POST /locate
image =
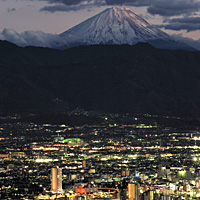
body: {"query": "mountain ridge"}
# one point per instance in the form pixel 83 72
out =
pixel 133 79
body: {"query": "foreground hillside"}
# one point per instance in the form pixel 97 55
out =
pixel 124 78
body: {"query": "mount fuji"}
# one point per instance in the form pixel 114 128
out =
pixel 119 26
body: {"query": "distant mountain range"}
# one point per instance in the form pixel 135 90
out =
pixel 113 26
pixel 119 26
pixel 124 78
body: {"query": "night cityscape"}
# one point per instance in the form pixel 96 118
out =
pixel 99 99
pixel 116 157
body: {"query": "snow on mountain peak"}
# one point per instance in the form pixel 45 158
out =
pixel 113 26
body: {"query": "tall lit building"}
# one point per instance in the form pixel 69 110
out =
pixel 125 172
pixel 56 180
pixel 133 191
pixel 84 164
pixel 150 195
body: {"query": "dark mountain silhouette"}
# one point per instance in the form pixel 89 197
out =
pixel 134 79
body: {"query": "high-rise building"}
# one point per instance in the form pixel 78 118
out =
pixel 150 195
pixel 125 172
pixel 84 164
pixel 133 191
pixel 56 180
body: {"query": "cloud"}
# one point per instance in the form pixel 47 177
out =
pixel 66 2
pixel 70 5
pixel 11 10
pixel 160 7
pixel 185 23
pixel 194 20
pixel 191 42
pixel 32 38
pixel 173 7
pixel 182 26
pixel 102 2
pixel 61 8
pixel 65 8
pixel 128 2
pixel 74 5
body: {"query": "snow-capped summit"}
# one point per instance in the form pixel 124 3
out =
pixel 113 26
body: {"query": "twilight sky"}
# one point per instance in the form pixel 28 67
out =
pixel 30 18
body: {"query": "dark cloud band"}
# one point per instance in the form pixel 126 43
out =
pixel 128 2
pixel 159 7
pixel 185 23
pixel 182 26
pixel 70 5
pixel 173 7
pixel 73 5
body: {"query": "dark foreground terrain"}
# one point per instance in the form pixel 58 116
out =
pixel 134 79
